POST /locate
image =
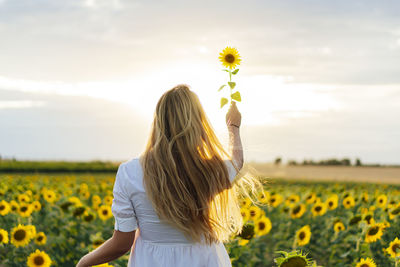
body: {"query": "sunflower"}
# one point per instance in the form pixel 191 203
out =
pixel 83 187
pixel 310 199
pixel 3 236
pixel 243 242
pixel 318 209
pixel 230 57
pixel 255 212
pixel 88 216
pixel 245 202
pixel 49 196
pixel 368 262
pixel 303 235
pixel 247 231
pixel 40 238
pixel 14 206
pixel 332 202
pixel 103 265
pixel 338 226
pixel 25 209
pixel 381 201
pixel 263 196
pixel 245 214
pixel 394 248
pixel 365 197
pixel 4 208
pixel 85 194
pixel 297 211
pixel 23 198
pixel 292 200
pixel 348 202
pixel 20 235
pixel 369 219
pixel 293 258
pixel 104 212
pixel 262 226
pixel 108 200
pixel 38 259
pixel 36 205
pixel 374 233
pixel 76 201
pixel 275 200
pixel 96 200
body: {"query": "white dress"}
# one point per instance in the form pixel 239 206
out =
pixel 158 243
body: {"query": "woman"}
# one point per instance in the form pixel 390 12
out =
pixel 180 193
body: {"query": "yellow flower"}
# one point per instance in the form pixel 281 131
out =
pixel 262 226
pixel 40 238
pixel 38 259
pixel 332 202
pixel 263 196
pixel 365 197
pixel 394 248
pixel 3 236
pixel 77 202
pixel 369 219
pixel 275 200
pixel 25 209
pixel 104 212
pixel 230 57
pixel 243 242
pixel 85 194
pixel 255 212
pixel 245 214
pixel 245 202
pixel 14 206
pixel 49 196
pixel 297 211
pixel 311 198
pixel 108 200
pixel 292 200
pixel 36 205
pixel 381 201
pixel 32 230
pixel 303 235
pixel 4 208
pixel 348 202
pixel 318 209
pixel 339 226
pixel 374 233
pixel 103 265
pixel 97 243
pixel 368 262
pixel 96 200
pixel 20 236
pixel 23 198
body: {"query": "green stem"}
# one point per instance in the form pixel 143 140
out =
pixel 230 88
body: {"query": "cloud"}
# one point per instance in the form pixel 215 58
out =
pixel 20 104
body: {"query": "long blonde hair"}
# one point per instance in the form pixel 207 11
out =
pixel 184 173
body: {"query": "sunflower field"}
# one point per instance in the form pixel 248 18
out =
pixel 53 220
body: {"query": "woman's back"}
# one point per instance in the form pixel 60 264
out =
pixel 159 243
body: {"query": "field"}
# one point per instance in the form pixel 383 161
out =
pixel 337 223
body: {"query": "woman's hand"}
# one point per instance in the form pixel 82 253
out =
pixel 233 116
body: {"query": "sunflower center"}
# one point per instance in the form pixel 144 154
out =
pixel 13 208
pixel 296 210
pixel 1 238
pixel 273 200
pixel 302 235
pixel 295 262
pixel 38 260
pixel 373 231
pixel 261 225
pixel 380 200
pixel 2 207
pixel 330 203
pixel 318 208
pixel 348 202
pixel 252 213
pixel 20 235
pixel 105 212
pixel 229 58
pixel 395 248
pixel 23 209
pixel 40 238
pixel 365 265
pixel 98 242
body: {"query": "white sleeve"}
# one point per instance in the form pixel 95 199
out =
pixel 122 208
pixel 231 170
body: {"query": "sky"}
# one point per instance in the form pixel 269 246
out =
pixel 79 80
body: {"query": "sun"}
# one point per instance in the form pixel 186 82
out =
pixel 230 57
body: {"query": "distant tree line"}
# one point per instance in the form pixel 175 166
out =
pixel 329 162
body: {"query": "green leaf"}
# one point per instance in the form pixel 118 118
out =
pixel 235 71
pixel 226 70
pixel 222 86
pixel 232 84
pixel 224 101
pixel 236 96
